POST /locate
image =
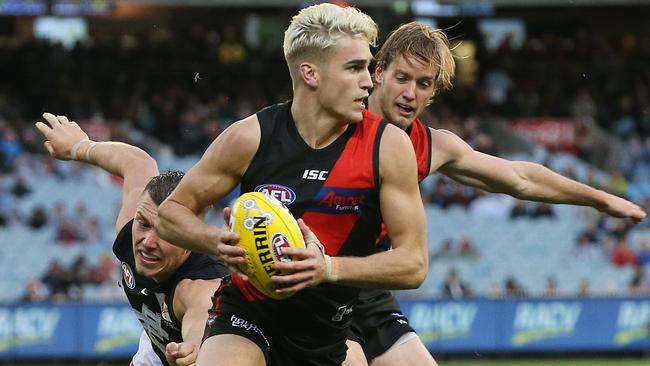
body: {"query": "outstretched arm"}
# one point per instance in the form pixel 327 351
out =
pixel 67 141
pixel 454 158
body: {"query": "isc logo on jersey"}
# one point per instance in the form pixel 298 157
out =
pixel 277 191
pixel 265 227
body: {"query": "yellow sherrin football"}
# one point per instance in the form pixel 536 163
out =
pixel 265 226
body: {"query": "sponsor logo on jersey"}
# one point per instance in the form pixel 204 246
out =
pixel 340 200
pixel 538 321
pixel 237 322
pixel 632 322
pixel 129 279
pixel 341 312
pixel 443 321
pixel 27 326
pixel 117 327
pixel 313 174
pixel 280 242
pixel 281 193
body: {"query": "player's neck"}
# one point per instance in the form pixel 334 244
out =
pixel 374 104
pixel 317 127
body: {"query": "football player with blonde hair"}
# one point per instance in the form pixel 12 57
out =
pixel 364 172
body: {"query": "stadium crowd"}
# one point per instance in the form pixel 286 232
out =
pixel 181 89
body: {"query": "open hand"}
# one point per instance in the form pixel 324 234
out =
pixel 61 135
pixel 621 208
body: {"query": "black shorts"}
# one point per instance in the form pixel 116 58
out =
pixel 278 328
pixel 377 323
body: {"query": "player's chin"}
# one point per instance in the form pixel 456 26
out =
pixel 354 116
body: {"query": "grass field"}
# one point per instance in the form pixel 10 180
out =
pixel 552 362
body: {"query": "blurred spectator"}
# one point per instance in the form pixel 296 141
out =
pixel 20 187
pixel 467 248
pixel 543 210
pixel 589 234
pixel 446 250
pixel 520 209
pixel 584 288
pixel 623 255
pixel 58 281
pixel 644 252
pixel 10 149
pixel 81 271
pixel 105 270
pixel 513 289
pixel 550 287
pixel 38 218
pixel 454 287
pixel 638 283
pixel 35 291
pixel 67 233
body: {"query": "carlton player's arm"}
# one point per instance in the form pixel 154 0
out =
pixel 406 265
pixel 132 164
pixel 192 301
pixel 453 157
pixel 215 175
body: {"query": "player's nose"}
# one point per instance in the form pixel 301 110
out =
pixel 150 240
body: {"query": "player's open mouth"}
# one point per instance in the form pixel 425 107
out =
pixel 404 109
pixel 361 102
pixel 147 259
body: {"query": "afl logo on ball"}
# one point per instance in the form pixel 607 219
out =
pixel 279 192
pixel 129 280
pixel 280 242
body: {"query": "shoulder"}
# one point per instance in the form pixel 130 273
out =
pixel 123 237
pixel 447 143
pixel 394 136
pixel 245 131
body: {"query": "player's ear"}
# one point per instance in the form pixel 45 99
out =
pixel 309 74
pixel 379 74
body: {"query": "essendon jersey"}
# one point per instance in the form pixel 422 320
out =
pixel 152 302
pixel 420 136
pixel 334 189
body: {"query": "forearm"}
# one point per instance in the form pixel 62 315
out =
pixel 193 324
pixel 182 227
pixel 394 269
pixel 542 184
pixel 116 158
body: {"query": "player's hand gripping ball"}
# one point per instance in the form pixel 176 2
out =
pixel 265 226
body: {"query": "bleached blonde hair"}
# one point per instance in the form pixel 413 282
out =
pixel 314 30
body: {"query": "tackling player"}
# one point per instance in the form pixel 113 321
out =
pixel 168 287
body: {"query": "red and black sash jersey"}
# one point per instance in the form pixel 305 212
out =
pixel 420 136
pixel 152 302
pixel 334 189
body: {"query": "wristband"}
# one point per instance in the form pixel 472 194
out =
pixel 75 147
pixel 330 276
pixel 92 145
